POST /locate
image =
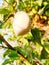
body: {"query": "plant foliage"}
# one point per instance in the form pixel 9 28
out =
pixel 33 47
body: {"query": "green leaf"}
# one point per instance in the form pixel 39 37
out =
pixel 4 11
pixel 1 23
pixel 40 2
pixel 20 6
pixel 47 0
pixel 47 62
pixel 46 10
pixel 11 54
pixel 44 54
pixel 6 53
pixel 27 2
pixel 0 41
pixel 41 11
pixel 6 62
pixel 5 16
pixel 22 51
pixel 46 7
pixel 7 24
pixel 46 45
pixel 11 2
pixel 36 35
pixel 29 36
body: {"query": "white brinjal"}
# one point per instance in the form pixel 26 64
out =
pixel 21 23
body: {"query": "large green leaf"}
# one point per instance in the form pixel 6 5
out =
pixel 4 11
pixel 36 35
pixel 11 54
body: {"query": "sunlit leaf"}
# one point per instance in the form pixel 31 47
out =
pixel 46 45
pixel 41 11
pixel 47 12
pixel 47 62
pixel 30 46
pixel 40 2
pixel 11 2
pixel 6 62
pixel 4 11
pixel 7 24
pixel 29 36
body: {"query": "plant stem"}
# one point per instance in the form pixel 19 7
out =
pixel 10 47
pixel 6 43
pixel 11 15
